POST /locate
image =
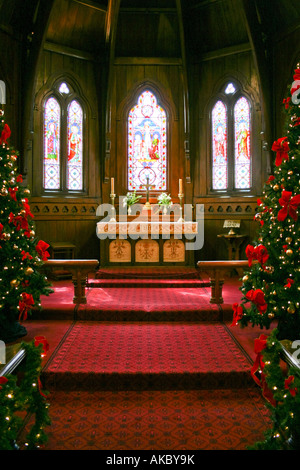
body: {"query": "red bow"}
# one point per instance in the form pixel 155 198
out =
pixel 259 345
pixel 286 102
pixel 281 147
pixel 12 192
pixel 237 314
pixel 3 380
pixel 297 74
pixel 41 248
pixel 259 253
pixel 42 340
pixel 287 383
pixel 258 298
pixel 289 205
pixel 289 282
pixel 5 134
pixel 25 304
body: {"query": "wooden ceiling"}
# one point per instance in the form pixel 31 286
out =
pixel 150 28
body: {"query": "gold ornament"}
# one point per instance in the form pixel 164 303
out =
pixel 291 309
pixel 26 191
pixel 271 315
pixel 289 252
pixel 4 192
pixel 288 240
pixel 276 187
pixel 14 283
pixel 28 271
pixel 245 278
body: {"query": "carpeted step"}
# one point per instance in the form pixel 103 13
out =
pixel 148 304
pixel 147 356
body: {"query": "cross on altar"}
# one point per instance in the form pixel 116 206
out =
pixel 147 185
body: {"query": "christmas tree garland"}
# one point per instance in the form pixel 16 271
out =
pixel 22 393
pixel 271 288
pixel 21 254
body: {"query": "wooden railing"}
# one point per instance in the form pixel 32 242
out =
pixel 216 271
pixel 79 268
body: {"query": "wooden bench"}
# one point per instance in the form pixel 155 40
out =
pixel 216 271
pixel 79 269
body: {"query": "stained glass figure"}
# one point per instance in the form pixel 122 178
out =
pixel 52 144
pixel 147 144
pixel 74 164
pixel 242 160
pixel 219 145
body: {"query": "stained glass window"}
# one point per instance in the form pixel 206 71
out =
pixel 52 144
pixel 147 144
pixel 219 146
pixel 63 141
pixel 74 164
pixel 242 159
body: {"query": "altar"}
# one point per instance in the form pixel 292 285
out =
pixel 143 241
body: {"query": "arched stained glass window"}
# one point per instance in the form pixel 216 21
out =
pixel 231 141
pixel 242 160
pixel 52 144
pixel 147 144
pixel 63 141
pixel 219 145
pixel 74 165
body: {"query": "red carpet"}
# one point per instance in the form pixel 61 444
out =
pixel 136 356
pixel 148 368
pixel 153 420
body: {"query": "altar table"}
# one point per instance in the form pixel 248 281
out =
pixel 139 242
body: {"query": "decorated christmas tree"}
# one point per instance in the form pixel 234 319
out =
pixel 271 288
pixel 21 254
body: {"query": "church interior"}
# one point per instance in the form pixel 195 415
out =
pixel 181 99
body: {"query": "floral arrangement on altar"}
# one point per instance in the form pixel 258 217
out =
pixel 130 199
pixel 164 199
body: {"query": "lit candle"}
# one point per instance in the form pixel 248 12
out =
pixel 180 186
pixel 112 189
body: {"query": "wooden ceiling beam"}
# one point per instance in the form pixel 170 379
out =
pixel 91 4
pixel 262 58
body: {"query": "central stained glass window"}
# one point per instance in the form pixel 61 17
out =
pixel 147 144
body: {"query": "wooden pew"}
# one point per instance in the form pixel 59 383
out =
pixel 79 268
pixel 216 271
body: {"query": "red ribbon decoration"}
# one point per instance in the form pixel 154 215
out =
pixel 287 382
pixel 12 192
pixel 259 345
pixel 41 249
pixel 25 304
pixel 281 147
pixel 258 298
pixel 289 282
pixel 3 380
pixel 5 134
pixel 42 340
pixel 259 253
pixel 237 313
pixel 289 205
pixel 297 74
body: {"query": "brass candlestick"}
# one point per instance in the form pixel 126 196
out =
pixel 181 195
pixel 113 211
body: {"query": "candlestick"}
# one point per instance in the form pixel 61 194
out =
pixel 112 184
pixel 180 195
pixel 180 186
pixel 112 197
